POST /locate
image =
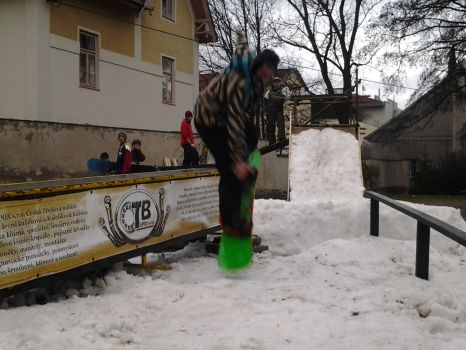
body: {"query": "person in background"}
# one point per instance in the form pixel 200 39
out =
pixel 274 100
pixel 124 159
pixel 104 156
pixel 136 153
pixel 106 166
pixel 191 156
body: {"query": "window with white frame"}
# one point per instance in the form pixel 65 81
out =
pixel 168 9
pixel 88 59
pixel 168 80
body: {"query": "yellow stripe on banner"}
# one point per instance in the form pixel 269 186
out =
pixel 12 193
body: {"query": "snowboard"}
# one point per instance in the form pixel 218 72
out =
pixel 235 253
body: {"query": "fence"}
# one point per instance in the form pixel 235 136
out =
pixel 424 223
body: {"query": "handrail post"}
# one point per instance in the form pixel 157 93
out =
pixel 422 251
pixel 374 217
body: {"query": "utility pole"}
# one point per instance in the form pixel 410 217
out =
pixel 357 82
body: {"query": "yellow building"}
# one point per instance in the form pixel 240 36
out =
pixel 130 64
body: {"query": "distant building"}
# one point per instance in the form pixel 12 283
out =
pixel 371 113
pixel 431 128
pixel 293 81
pixel 80 64
pixel 294 86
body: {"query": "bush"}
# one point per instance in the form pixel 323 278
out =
pixel 447 177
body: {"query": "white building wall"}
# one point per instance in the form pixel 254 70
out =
pixel 39 78
pixel 379 116
pixel 24 25
pixel 129 96
pixel 12 59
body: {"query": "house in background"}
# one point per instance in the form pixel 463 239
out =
pixel 74 73
pixel 294 85
pixel 293 81
pixel 430 129
pixel 371 113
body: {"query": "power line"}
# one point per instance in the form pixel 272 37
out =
pixel 367 80
pixel 60 2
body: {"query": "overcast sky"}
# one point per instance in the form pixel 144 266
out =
pixel 310 69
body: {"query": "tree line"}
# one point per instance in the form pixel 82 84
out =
pixel 339 35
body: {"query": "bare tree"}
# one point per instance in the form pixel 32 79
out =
pixel 422 33
pixel 250 17
pixel 328 29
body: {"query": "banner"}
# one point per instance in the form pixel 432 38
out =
pixel 50 235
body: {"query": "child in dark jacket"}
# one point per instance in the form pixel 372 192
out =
pixel 136 153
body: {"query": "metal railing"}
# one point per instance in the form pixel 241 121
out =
pixel 424 223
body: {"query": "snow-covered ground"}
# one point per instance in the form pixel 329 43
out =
pixel 324 284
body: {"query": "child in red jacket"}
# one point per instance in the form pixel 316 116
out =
pixel 191 156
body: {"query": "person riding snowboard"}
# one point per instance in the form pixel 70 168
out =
pixel 221 116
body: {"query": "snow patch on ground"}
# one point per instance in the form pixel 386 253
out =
pixel 355 293
pixel 292 227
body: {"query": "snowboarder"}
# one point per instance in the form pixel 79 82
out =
pixel 222 120
pixel 123 163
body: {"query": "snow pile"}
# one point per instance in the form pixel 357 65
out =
pixel 324 284
pixel 293 227
pixel 325 164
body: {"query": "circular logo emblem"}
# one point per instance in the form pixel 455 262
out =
pixel 136 215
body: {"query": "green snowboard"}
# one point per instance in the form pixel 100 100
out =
pixel 236 253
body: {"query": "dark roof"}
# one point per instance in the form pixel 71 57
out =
pixel 203 22
pixel 366 101
pixel 420 109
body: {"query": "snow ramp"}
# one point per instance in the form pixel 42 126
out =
pixel 325 164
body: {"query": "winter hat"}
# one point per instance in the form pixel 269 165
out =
pixel 136 142
pixel 266 57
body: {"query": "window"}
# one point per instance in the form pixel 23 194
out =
pixel 88 59
pixel 168 9
pixel 168 80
